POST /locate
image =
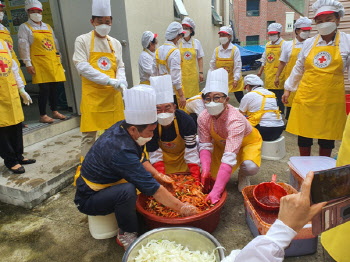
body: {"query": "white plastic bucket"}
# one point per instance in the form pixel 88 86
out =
pixel 103 227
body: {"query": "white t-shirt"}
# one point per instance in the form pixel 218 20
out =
pixel 252 102
pixel 197 46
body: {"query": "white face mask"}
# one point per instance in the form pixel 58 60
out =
pixel 103 29
pixel 214 108
pixel 326 28
pixel 187 33
pixel 273 38
pixel 1 16
pixel 304 35
pixel 143 140
pixel 165 119
pixel 223 40
pixel 36 17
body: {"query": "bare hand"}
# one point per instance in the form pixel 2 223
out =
pixel 295 210
pixel 31 70
pixel 259 74
pixel 182 103
pixel 235 83
pixel 201 78
pixel 188 210
pixel 285 97
pixel 277 82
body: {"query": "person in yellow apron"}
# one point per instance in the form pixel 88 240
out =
pixel 336 240
pixel 270 63
pixel 168 58
pixel 173 147
pixel 290 52
pixel 260 107
pixel 98 59
pixel 226 139
pixel 147 59
pixel 11 137
pixel 191 53
pixel 115 167
pixel 228 57
pixel 319 105
pixel 38 48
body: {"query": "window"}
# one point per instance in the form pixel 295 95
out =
pixel 271 0
pixel 270 22
pixel 179 10
pixel 252 40
pixel 215 17
pixel 253 7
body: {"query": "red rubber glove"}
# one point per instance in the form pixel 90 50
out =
pixel 160 167
pixel 205 157
pixel 195 172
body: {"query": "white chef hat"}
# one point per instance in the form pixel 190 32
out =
pixel 253 80
pixel 303 23
pixel 226 29
pixel 163 87
pixel 217 81
pixel 101 8
pixel 274 28
pixel 189 22
pixel 321 7
pixel 140 105
pixel 1 4
pixel 173 30
pixel 33 5
pixel 147 37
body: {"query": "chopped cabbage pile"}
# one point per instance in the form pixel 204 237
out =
pixel 166 251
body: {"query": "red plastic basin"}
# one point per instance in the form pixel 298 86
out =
pixel 207 220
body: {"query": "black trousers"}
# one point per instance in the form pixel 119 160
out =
pixel 47 91
pixel 120 199
pixel 270 133
pixel 279 93
pixel 239 95
pixel 308 142
pixel 11 144
pixel 288 109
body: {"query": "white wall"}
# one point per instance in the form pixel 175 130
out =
pixel 156 15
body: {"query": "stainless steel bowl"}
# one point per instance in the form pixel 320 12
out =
pixel 191 237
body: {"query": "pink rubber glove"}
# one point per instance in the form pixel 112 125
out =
pixel 220 183
pixel 205 157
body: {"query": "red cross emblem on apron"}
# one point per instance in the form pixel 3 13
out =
pixel 322 59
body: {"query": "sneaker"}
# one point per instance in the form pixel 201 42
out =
pixel 126 239
pixel 243 181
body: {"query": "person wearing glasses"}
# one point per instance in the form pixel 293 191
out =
pixel 226 139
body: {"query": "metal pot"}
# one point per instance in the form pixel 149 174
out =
pixel 191 237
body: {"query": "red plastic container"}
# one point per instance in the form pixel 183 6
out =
pixel 347 100
pixel 207 220
pixel 267 195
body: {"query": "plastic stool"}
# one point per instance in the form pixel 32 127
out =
pixel 273 150
pixel 103 227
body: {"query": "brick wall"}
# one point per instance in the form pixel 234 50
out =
pixel 257 25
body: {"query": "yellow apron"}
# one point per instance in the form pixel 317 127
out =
pixel 165 63
pixel 45 58
pixel 10 104
pixel 250 150
pixel 190 82
pixel 101 106
pixel 255 117
pixel 173 152
pixel 273 53
pixel 228 64
pixel 336 240
pixel 319 106
pixel 5 35
pixel 147 82
pixel 289 67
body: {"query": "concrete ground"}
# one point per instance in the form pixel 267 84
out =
pixel 56 231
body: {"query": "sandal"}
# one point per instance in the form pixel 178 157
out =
pixel 19 170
